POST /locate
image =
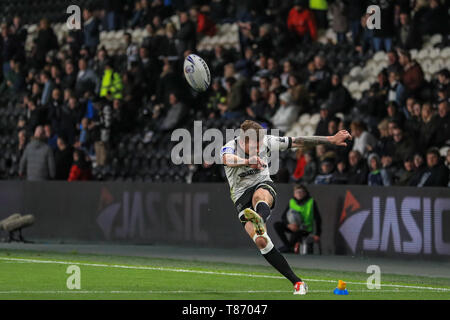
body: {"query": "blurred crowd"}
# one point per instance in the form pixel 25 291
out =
pixel 77 97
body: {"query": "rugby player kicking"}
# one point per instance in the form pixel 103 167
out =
pixel 253 191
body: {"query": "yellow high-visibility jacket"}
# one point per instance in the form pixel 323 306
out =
pixel 111 82
pixel 318 4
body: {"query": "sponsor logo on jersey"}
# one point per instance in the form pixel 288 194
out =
pixel 227 150
pixel 249 173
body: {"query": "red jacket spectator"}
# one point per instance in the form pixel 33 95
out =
pixel 205 25
pixel 413 76
pixel 80 170
pixel 78 174
pixel 302 22
pixel 300 168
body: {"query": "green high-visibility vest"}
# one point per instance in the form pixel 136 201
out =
pixel 111 82
pixel 318 4
pixel 306 211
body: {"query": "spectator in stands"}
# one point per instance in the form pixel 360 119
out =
pixel 322 125
pixel 358 170
pixel 54 108
pixel 221 59
pixel 419 168
pixel 443 124
pixel 436 174
pixel 216 94
pixel 186 35
pixel 86 80
pixel 382 38
pixel 46 40
pixel 326 172
pixel 301 22
pixel 256 109
pixel 340 99
pixel 356 9
pixel 21 142
pixel 393 64
pixel 378 176
pixel 333 126
pixel 71 115
pixel 271 107
pixel 84 140
pixel 137 17
pixel 264 41
pixel 50 136
pixel 320 80
pixel 14 81
pixel 264 87
pixel 413 124
pixel 407 35
pixel 443 84
pixel 236 97
pixel 396 90
pixel 338 9
pixel 175 113
pixel 299 170
pixel 80 170
pixel 287 113
pixel 132 50
pixel 340 175
pixel 34 115
pixel 447 159
pixel 406 173
pixel 362 138
pixel 301 220
pixel 20 32
pixel 299 93
pixel 402 146
pixel 394 113
pixel 113 14
pixel 310 170
pixel 320 9
pixel 91 30
pixel 37 161
pixel 436 18
pixel 48 87
pixel 63 159
pixel 366 39
pixel 70 76
pixel 288 69
pixel 111 83
pixel 412 76
pixel 8 46
pixel 384 143
pixel 428 127
pixel 205 25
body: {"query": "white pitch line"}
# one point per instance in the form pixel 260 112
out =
pixel 205 272
pixel 180 291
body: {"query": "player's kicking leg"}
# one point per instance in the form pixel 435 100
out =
pixel 256 229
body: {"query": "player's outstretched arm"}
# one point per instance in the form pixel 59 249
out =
pixel 338 139
pixel 232 160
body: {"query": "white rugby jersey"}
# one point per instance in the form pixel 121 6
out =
pixel 243 177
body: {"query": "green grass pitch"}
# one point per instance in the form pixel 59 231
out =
pixel 39 275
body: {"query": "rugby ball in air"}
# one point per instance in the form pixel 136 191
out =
pixel 196 72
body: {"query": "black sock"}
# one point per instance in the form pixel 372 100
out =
pixel 263 210
pixel 275 258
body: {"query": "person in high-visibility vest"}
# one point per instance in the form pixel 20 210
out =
pixel 111 85
pixel 301 220
pixel 320 8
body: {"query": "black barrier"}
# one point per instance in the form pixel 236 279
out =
pixel 357 220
